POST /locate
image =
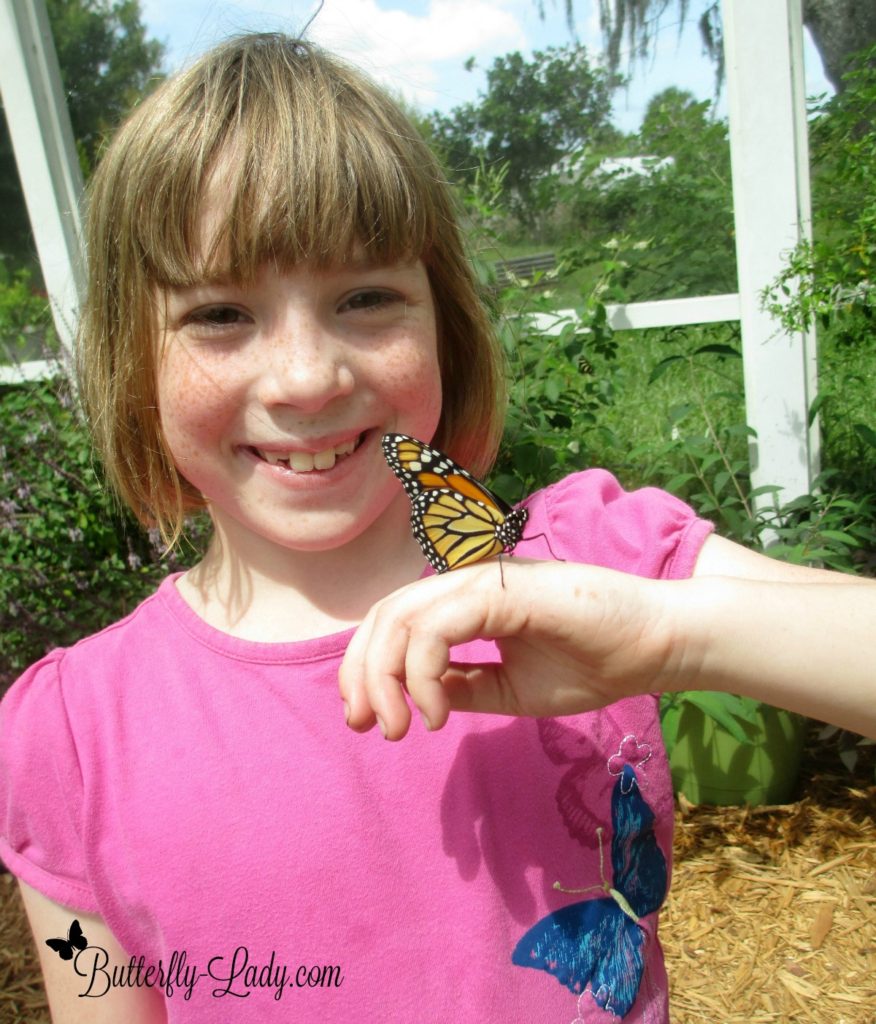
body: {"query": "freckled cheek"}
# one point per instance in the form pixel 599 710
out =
pixel 191 404
pixel 411 378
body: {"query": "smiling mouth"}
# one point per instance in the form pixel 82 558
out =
pixel 308 462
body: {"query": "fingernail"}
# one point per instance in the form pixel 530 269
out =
pixel 346 712
pixel 426 721
pixel 381 725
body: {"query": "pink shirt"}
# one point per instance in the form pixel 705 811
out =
pixel 203 795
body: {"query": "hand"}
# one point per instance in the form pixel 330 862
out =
pixel 575 637
pixel 572 638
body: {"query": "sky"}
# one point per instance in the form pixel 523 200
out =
pixel 419 48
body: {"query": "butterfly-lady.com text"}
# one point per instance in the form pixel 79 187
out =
pixel 234 976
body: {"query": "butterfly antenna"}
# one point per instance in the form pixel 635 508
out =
pixel 615 894
pixel 535 536
pixel 605 887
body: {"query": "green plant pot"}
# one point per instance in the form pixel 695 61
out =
pixel 709 766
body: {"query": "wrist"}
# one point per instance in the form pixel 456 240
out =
pixel 701 646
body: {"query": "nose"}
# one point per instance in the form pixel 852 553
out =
pixel 307 365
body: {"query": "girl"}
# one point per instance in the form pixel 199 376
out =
pixel 277 281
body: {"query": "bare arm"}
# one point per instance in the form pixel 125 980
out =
pixel 64 987
pixel 811 650
pixel 722 557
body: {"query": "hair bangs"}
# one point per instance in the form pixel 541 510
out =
pixel 283 169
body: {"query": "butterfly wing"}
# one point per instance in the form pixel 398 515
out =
pixel 591 943
pixel 76 937
pixel 638 863
pixel 597 942
pixel 62 947
pixel 455 518
pixel 453 531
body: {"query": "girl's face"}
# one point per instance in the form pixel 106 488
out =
pixel 274 395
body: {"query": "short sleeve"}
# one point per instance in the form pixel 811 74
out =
pixel 590 518
pixel 41 789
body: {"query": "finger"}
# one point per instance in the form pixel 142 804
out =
pixel 426 661
pixel 479 688
pixel 375 683
pixel 358 712
pixel 403 644
pixel 407 648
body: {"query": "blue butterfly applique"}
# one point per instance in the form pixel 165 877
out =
pixel 599 942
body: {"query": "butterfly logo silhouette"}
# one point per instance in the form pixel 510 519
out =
pixel 65 947
pixel 599 942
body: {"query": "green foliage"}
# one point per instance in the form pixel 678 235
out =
pixel 673 224
pixel 830 281
pixel 726 710
pixel 664 407
pixel 828 284
pixel 26 330
pixel 701 455
pixel 70 562
pixel 533 112
pixel 107 64
pixel 560 366
pixel 556 396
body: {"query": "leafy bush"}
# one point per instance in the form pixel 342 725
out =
pixel 25 324
pixel 832 527
pixel 560 383
pixel 664 407
pixel 828 284
pixel 672 220
pixel 70 561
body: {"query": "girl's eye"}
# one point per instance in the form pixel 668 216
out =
pixel 370 299
pixel 216 316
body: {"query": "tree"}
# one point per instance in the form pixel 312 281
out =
pixel 670 221
pixel 107 63
pixel 839 28
pixel 533 112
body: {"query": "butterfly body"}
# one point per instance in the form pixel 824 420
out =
pixel 455 518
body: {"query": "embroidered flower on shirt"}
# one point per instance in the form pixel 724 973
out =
pixel 631 753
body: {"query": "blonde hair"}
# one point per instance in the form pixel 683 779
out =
pixel 322 162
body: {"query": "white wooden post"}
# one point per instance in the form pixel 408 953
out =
pixel 39 124
pixel 763 47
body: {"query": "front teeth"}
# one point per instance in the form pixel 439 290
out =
pixel 306 462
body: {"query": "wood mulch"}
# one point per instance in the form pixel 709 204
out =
pixel 772 912
pixel 771 918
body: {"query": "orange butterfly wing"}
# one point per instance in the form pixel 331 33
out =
pixel 455 518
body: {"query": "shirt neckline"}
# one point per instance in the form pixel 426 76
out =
pixel 314 649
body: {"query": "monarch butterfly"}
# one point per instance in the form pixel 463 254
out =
pixel 455 518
